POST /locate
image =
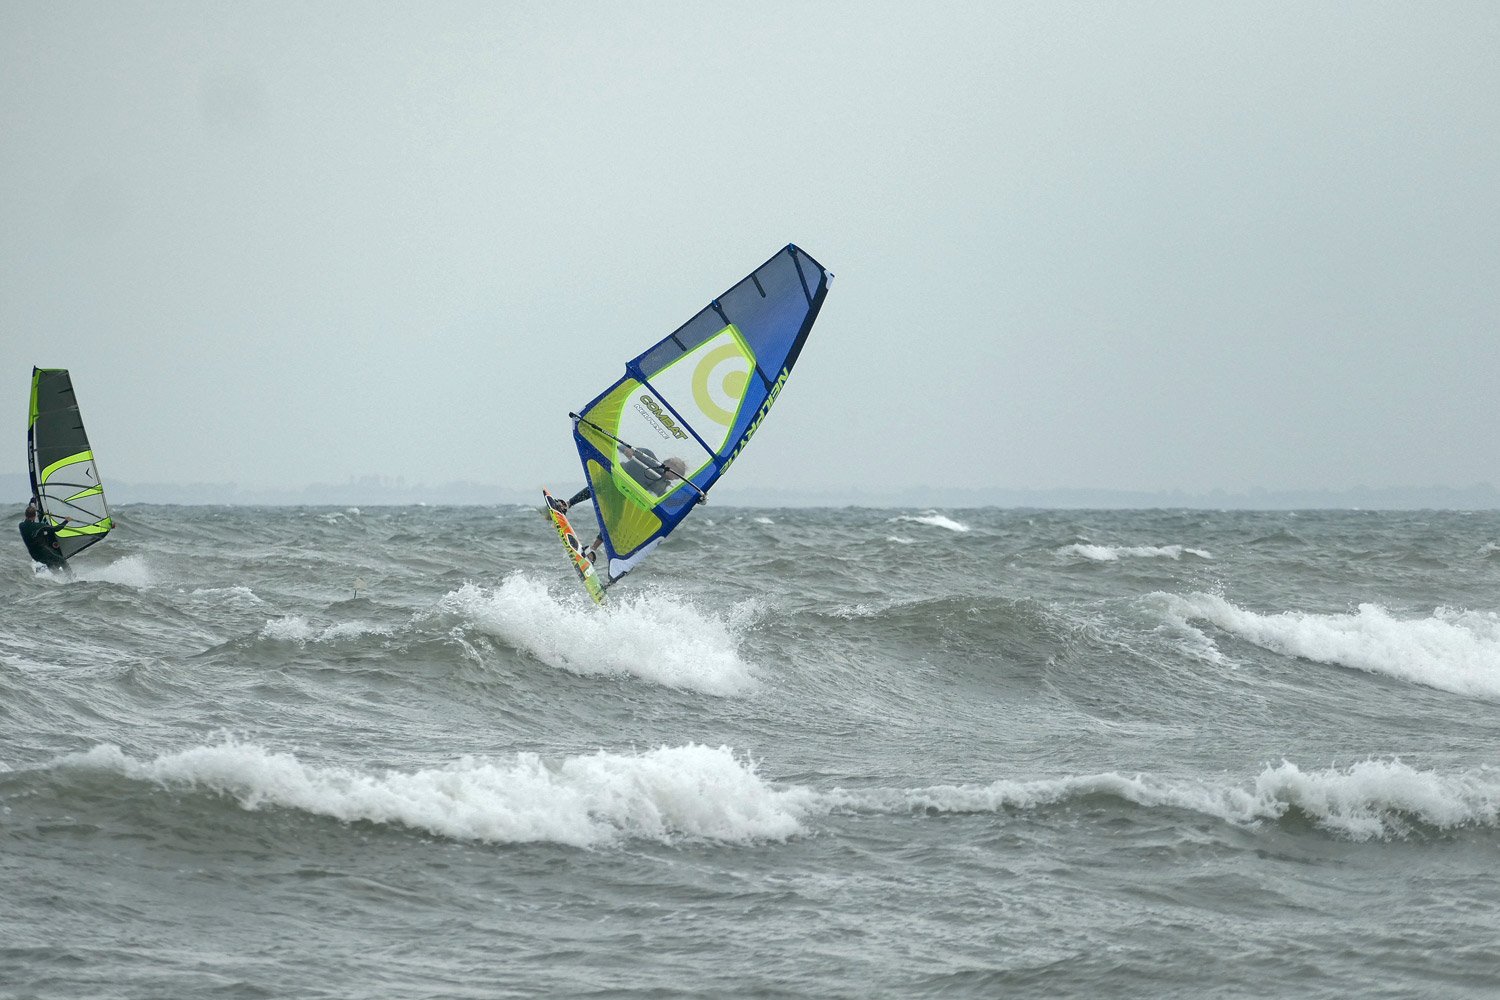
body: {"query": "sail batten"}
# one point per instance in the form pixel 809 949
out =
pixel 655 441
pixel 64 472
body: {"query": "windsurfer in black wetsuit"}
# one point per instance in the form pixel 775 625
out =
pixel 41 539
pixel 642 465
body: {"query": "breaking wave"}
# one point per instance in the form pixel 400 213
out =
pixel 1114 553
pixel 1372 799
pixel 1451 650
pixel 669 794
pixel 934 519
pixel 651 635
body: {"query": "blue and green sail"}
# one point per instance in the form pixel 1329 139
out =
pixel 64 475
pixel 657 440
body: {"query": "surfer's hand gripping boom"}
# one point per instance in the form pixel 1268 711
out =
pixel 632 452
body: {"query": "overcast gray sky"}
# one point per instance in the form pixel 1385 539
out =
pixel 1125 246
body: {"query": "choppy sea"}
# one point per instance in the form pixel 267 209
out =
pixel 396 752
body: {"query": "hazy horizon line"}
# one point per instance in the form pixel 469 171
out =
pixel 390 491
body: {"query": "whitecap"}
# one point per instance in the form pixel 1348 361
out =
pixel 295 628
pixel 934 519
pixel 229 595
pixel 648 634
pixel 1113 553
pixel 1367 800
pixel 127 571
pixel 669 794
pixel 1451 650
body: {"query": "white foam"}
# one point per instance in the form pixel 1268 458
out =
pixel 861 610
pixel 295 628
pixel 127 571
pixel 669 794
pixel 695 792
pixel 1113 553
pixel 934 519
pixel 26 664
pixel 651 635
pixel 763 520
pixel 1370 799
pixel 1457 651
pixel 229 595
pixel 899 540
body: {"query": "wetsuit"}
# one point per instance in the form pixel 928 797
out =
pixel 41 542
pixel 649 473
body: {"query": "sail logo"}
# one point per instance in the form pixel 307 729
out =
pixel 720 379
pixel 754 424
pixel 664 418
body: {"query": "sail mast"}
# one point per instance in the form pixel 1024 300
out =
pixel 64 474
pixel 656 441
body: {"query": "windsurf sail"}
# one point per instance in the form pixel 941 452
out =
pixel 656 441
pixel 64 476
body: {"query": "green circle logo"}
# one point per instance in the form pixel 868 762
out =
pixel 731 382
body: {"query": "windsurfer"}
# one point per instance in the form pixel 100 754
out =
pixel 642 465
pixel 41 538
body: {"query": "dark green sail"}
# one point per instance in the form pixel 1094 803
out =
pixel 64 476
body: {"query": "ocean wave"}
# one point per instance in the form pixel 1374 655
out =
pixel 943 616
pixel 1282 537
pixel 295 628
pixel 1452 650
pixel 934 519
pixel 669 794
pixel 700 793
pixel 646 634
pixel 127 571
pixel 239 596
pixel 1114 553
pixel 1371 799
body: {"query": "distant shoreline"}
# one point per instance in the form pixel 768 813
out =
pixel 377 492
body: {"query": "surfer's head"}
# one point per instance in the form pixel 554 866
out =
pixel 675 466
pixel 31 512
